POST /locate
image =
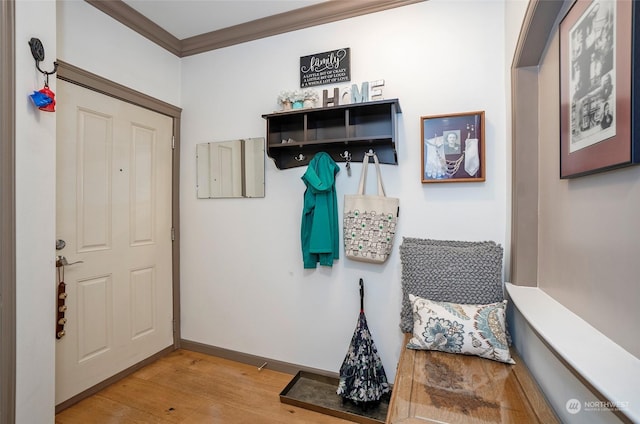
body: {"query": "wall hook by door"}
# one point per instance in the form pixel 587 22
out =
pixel 37 51
pixel 44 98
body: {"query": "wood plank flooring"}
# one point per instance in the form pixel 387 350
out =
pixel 188 387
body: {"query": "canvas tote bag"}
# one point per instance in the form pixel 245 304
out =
pixel 369 221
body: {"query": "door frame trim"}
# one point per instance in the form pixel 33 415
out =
pixel 78 76
pixel 7 213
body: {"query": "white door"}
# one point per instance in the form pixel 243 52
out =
pixel 226 169
pixel 114 214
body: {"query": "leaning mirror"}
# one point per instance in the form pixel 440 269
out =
pixel 228 169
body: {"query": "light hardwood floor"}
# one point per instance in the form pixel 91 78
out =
pixel 189 387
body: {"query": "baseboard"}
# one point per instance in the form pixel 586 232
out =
pixel 257 361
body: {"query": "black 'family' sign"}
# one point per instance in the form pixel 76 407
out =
pixel 325 68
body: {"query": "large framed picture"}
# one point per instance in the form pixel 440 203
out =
pixel 453 148
pixel 598 82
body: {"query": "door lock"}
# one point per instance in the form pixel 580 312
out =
pixel 60 244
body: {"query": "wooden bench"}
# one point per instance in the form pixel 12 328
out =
pixel 438 387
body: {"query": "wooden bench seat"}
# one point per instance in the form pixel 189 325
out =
pixel 449 388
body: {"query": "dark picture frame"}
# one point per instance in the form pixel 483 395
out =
pixel 599 117
pixel 453 147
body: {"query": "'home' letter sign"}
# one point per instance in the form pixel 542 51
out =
pixel 370 90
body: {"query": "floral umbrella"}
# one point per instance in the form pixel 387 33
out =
pixel 362 376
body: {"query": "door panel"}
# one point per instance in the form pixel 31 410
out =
pixel 94 308
pixel 114 212
pixel 142 295
pixel 142 191
pixel 94 164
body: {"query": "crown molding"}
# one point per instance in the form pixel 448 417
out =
pixel 281 23
pixel 318 14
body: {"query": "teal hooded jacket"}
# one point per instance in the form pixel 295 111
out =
pixel 320 229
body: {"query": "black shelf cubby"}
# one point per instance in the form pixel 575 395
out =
pixel 293 137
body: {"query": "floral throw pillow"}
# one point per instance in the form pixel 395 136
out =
pixel 458 328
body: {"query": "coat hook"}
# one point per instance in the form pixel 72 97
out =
pixel 44 99
pixel 37 51
pixel 300 157
pixel 347 158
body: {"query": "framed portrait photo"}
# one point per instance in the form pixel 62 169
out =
pixel 453 148
pixel 598 82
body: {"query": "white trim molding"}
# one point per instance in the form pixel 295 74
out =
pixel 607 370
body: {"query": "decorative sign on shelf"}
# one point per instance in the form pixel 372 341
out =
pixel 370 90
pixel 325 68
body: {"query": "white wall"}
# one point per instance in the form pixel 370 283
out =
pixel 243 283
pixel 97 43
pixel 35 224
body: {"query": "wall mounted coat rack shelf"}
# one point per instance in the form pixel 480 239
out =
pixel 346 132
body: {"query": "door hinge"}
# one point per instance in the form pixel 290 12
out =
pixel 173 141
pixel 173 234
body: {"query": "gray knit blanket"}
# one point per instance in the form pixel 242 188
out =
pixel 449 271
